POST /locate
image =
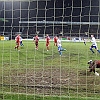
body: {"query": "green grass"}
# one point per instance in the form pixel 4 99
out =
pixel 35 97
pixel 20 71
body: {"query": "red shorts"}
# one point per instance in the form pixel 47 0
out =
pixel 36 43
pixel 18 43
pixel 55 41
pixel 47 44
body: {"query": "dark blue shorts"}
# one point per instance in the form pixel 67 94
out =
pixel 93 46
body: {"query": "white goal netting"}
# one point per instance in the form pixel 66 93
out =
pixel 42 72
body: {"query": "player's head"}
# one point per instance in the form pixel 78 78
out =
pixel 92 35
pixel 18 34
pixel 60 35
pixel 36 34
pixel 55 35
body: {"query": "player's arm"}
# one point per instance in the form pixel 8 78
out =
pixel 38 38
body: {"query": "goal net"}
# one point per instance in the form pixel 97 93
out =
pixel 38 69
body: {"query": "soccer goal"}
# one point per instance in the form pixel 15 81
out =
pixel 52 61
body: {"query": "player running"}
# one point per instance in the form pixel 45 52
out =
pixel 94 44
pixel 36 39
pixel 47 42
pixel 17 40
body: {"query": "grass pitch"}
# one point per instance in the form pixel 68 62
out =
pixel 44 75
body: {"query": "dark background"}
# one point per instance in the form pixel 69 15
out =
pixel 52 10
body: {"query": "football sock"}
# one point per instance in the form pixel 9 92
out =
pixel 63 49
pixel 60 53
pixel 91 50
pixel 98 51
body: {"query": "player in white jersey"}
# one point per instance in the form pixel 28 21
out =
pixel 94 44
pixel 60 49
pixel 21 43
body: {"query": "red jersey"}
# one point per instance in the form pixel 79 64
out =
pixel 47 39
pixel 17 39
pixel 36 38
pixel 55 39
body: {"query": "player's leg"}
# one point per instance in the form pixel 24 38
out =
pixel 47 46
pixel 16 47
pixel 20 43
pixel 91 49
pixel 59 50
pixel 36 46
pixel 62 49
pixel 84 42
pixel 93 68
pixel 97 49
pixel 54 43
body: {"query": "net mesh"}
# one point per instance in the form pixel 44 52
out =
pixel 32 74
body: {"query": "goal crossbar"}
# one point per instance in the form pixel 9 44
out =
pixel 59 22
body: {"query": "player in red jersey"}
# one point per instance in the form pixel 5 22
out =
pixel 47 41
pixel 17 40
pixel 55 40
pixel 36 39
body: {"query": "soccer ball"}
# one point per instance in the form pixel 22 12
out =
pixel 97 74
